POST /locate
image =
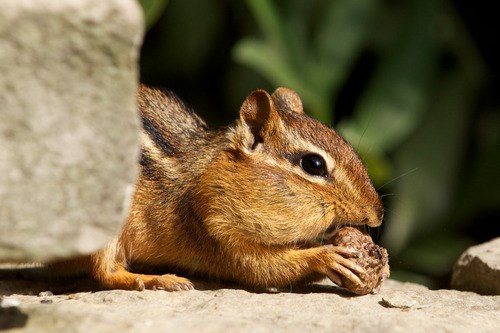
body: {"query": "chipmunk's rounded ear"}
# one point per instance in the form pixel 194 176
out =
pixel 256 112
pixel 287 99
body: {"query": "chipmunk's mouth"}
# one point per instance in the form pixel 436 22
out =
pixel 326 235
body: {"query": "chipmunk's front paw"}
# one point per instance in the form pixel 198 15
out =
pixel 167 282
pixel 341 265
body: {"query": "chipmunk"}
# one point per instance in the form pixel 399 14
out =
pixel 252 203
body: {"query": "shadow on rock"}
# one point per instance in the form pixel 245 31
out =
pixel 12 317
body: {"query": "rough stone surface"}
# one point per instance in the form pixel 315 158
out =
pixel 478 269
pixel 399 307
pixel 68 129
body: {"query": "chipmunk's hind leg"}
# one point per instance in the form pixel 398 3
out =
pixel 109 267
pixel 120 278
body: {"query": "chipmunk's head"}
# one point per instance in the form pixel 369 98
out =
pixel 286 178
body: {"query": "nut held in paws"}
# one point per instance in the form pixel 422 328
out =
pixel 373 258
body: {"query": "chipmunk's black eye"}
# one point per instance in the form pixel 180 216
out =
pixel 313 164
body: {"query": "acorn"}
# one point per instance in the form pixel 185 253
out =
pixel 371 257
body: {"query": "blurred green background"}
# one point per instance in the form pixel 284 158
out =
pixel 411 84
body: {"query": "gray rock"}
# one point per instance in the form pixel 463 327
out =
pixel 68 129
pixel 478 269
pixel 400 307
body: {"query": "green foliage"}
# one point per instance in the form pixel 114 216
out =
pixel 152 10
pixel 314 62
pixel 399 92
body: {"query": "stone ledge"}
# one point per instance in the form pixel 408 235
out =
pixel 400 307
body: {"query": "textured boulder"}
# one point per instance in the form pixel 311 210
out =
pixel 478 269
pixel 68 129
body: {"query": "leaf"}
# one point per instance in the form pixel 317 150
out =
pixel 153 10
pixel 435 150
pixel 397 96
pixel 341 34
pixel 270 23
pixel 266 60
pixel 316 69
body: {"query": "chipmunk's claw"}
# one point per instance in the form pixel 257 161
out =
pixel 167 282
pixel 139 284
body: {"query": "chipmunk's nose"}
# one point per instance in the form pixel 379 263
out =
pixel 374 216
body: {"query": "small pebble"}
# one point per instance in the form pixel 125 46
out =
pixel 45 293
pixel 402 302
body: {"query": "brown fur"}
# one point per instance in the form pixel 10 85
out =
pixel 233 203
